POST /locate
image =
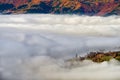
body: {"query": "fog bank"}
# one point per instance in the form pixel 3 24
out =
pixel 67 24
pixel 32 48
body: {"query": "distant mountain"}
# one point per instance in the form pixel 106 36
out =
pixel 80 7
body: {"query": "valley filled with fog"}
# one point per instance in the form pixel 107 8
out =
pixel 34 47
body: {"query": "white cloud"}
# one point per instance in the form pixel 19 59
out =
pixel 65 23
pixel 31 47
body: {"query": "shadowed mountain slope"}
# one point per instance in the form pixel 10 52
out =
pixel 80 7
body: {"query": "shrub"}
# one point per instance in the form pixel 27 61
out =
pixel 106 58
pixel 118 58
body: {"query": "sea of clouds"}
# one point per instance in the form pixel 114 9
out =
pixel 71 24
pixel 35 47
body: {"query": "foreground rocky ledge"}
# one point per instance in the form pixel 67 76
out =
pixel 98 56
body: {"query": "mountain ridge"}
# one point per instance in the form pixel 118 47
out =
pixel 81 7
pixel 97 57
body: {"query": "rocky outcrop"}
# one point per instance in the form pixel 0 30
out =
pixel 108 8
pixel 98 56
pixel 81 7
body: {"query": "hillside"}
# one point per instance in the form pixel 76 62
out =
pixel 80 7
pixel 98 56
